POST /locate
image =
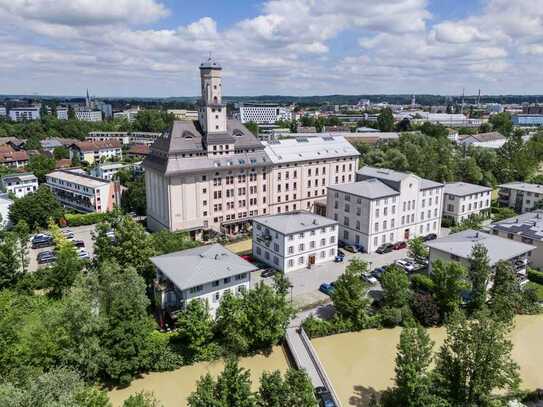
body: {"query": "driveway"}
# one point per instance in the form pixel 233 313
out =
pixel 80 233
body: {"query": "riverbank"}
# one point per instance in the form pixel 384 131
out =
pixel 361 363
pixel 173 388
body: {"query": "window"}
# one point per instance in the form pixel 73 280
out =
pixel 323 242
pixel 332 239
pixel 301 260
pixel 376 227
pixel 216 297
pixel 276 247
pixel 227 280
pixel 346 234
pixel 301 247
pixel 312 244
pixel 290 263
pixel 215 283
pixel 323 254
pixel 196 289
pixel 290 249
pixel 275 260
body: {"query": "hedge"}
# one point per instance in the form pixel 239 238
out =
pixel 80 219
pixel 535 276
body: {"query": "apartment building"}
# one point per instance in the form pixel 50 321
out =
pixel 107 170
pixel 124 137
pixel 88 115
pixel 294 241
pixel 462 200
pixel 215 174
pixel 20 184
pixel 129 114
pixel 96 151
pixel 263 114
pixel 77 190
pixel 526 228
pixel 385 206
pixel 459 246
pixel 19 114
pixel 12 158
pixel 521 196
pixel 206 273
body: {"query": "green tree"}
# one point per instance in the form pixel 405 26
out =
pixel 503 213
pixel 449 284
pixel 152 120
pixel 230 322
pixel 501 122
pixel 395 285
pixel 204 395
pixel 385 120
pixel 142 399
pixel 133 198
pixel 252 127
pixel 417 249
pixel 349 295
pixel 479 275
pixel 506 294
pixel 165 242
pixel 195 330
pixel 40 165
pixel 71 113
pixel 272 390
pixel 299 389
pixel 22 231
pixel 61 152
pixel 475 361
pixel 11 268
pixel 36 208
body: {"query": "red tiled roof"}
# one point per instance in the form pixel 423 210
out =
pixel 139 149
pixel 63 163
pixel 13 156
pixel 97 145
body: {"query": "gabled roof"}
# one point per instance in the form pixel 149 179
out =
pixel 461 245
pixel 201 265
pixel 529 225
pixel 295 222
pixel 97 145
pixel 493 135
pixel 523 186
pixel 370 189
pixel 464 188
pixel 393 176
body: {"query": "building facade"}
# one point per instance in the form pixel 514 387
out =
pixel 84 193
pixel 19 114
pixel 462 200
pixel 385 206
pixel 96 151
pixel 263 114
pixel 294 241
pixel 205 273
pixel 528 120
pixel 88 115
pixel 20 184
pixel 107 171
pixel 215 174
pixel 521 196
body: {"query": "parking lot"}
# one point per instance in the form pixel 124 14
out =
pixel 80 233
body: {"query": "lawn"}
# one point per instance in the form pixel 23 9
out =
pixel 241 247
pixel 538 288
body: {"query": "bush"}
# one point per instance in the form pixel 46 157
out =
pixel 80 219
pixel 391 317
pixel 163 357
pixel 535 276
pixel 422 282
pixel 425 309
pixel 315 327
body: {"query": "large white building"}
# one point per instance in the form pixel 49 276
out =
pixel 262 114
pixel 462 200
pixel 206 273
pixel 20 184
pixel 88 115
pixel 385 206
pixel 19 114
pixel 293 241
pixel 215 174
pixel 521 196
pixel 129 114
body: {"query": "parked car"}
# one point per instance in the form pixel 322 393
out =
pixel 350 248
pixel 83 254
pixel 268 272
pixel 339 259
pixel 68 234
pixel 368 278
pixel 385 248
pixel 324 397
pixel 399 245
pixel 326 288
pixel 42 240
pixel 79 243
pixel 406 264
pixel 378 272
pixel 50 258
pixel 45 254
pixel 431 236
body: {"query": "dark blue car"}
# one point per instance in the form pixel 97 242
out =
pixel 326 288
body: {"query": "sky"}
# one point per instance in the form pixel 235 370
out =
pixel 152 48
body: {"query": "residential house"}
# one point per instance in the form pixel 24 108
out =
pixel 521 196
pixel 462 200
pixel 20 184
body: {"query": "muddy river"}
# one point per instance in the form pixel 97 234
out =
pixel 363 362
pixel 172 388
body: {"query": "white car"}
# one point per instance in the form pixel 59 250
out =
pixel 83 254
pixel 407 264
pixel 367 277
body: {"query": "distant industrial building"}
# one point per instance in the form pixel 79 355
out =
pixel 528 120
pixel 263 114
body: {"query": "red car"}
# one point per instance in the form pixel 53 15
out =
pixel 399 245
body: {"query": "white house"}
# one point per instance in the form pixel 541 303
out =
pixel 20 184
pixel 107 170
pixel 385 206
pixel 205 273
pixel 462 200
pixel 293 241
pixel 521 196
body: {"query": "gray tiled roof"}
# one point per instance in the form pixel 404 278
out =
pixel 201 265
pixel 523 186
pixel 370 188
pixel 529 225
pixel 461 245
pixel 306 148
pixel 464 188
pixel 386 174
pixel 289 223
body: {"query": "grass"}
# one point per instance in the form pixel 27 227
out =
pixel 538 288
pixel 242 247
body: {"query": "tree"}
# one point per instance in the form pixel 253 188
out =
pixel 417 249
pixel 230 322
pixel 475 360
pixel 10 262
pixel 40 165
pixel 195 330
pixel 503 213
pixel 449 284
pixel 204 395
pixel 124 303
pixel 61 152
pixel 413 376
pixel 506 294
pixel 349 295
pixel 152 120
pixel 295 390
pixel 426 309
pixel 252 127
pixel 36 208
pixel 385 120
pixel 165 242
pixel 502 123
pixel 71 113
pixel 141 399
pixel 395 285
pixel 479 275
pixel 22 231
pixel 133 198
pixel 272 390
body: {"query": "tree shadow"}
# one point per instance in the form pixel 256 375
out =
pixel 363 395
pixel 325 311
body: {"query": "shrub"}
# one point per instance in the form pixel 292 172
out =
pixel 422 282
pixel 390 316
pixel 535 276
pixel 425 309
pixel 315 327
pixel 80 219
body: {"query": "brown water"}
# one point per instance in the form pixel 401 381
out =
pixel 173 388
pixel 361 363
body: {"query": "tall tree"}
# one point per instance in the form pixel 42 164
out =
pixel 230 322
pixel 506 294
pixel 142 399
pixel 449 284
pixel 479 275
pixel 36 208
pixel 204 395
pixel 417 249
pixel 40 165
pixel 195 330
pixel 10 261
pixel 385 120
pixel 395 285
pixel 475 360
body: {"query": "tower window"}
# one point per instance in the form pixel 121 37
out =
pixel 217 127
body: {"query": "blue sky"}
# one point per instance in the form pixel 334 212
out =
pixel 290 47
